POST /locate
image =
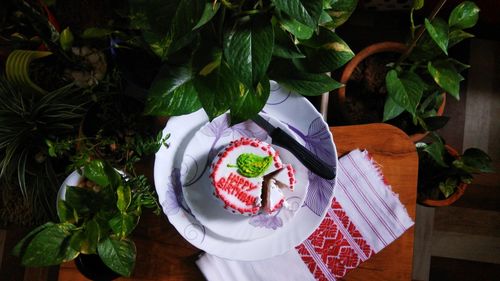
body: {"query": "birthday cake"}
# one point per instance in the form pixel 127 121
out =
pixel 248 176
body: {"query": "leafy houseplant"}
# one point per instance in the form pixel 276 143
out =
pixel 27 174
pixel 414 82
pixel 96 217
pixel 220 55
pixel 444 173
pixel 61 63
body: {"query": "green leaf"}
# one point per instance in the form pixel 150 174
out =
pixel 248 50
pixel 96 172
pixel 456 36
pixel 93 233
pixel 208 13
pixel 436 151
pixel 418 4
pixel 435 122
pixel 119 255
pixel 123 224
pixel 50 246
pixel 78 242
pixel 458 65
pixel 16 251
pixel 96 33
pixel 448 187
pixel 340 12
pixel 438 30
pixel 405 89
pixel 477 161
pixel 124 197
pixel 299 30
pixel 83 200
pixel 465 15
pixel 325 52
pixel 65 212
pixel 172 92
pixel 284 46
pixel 391 109
pixel 66 39
pixel 304 11
pixel 250 101
pixel 307 84
pixel 101 173
pixel 215 83
pixel 166 25
pixel 446 76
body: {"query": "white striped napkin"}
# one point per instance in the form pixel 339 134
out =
pixel 365 216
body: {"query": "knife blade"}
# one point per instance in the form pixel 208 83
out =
pixel 282 139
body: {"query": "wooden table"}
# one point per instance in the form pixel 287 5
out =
pixel 164 255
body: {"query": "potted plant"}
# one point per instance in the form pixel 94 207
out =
pixel 444 174
pixel 58 61
pixel 220 55
pixel 96 217
pixel 27 173
pixel 404 84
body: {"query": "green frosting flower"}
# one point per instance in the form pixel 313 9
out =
pixel 251 165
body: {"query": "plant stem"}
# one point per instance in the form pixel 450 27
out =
pixel 420 32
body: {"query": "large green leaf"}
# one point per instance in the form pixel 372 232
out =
pixel 166 25
pixel 405 89
pixel 436 152
pixel 307 84
pixel 391 109
pixel 50 246
pixel 456 36
pixel 208 13
pixel 325 52
pixel 340 11
pixel 465 15
pixel 65 212
pixel 123 224
pixel 172 92
pixel 438 30
pixel 119 255
pixel 248 50
pixel 299 30
pixel 284 46
pixel 83 200
pixel 124 197
pixel 476 161
pixel 304 11
pixel 446 76
pixel 16 251
pixel 249 101
pixel 101 173
pixel 93 233
pixel 215 83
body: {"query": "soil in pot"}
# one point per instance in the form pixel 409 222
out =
pixel 92 267
pixel 366 93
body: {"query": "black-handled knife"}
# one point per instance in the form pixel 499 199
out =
pixel 282 139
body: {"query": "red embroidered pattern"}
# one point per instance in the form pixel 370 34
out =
pixel 328 252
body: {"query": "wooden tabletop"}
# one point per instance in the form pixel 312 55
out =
pixel 162 254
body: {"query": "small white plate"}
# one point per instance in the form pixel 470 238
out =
pixel 197 188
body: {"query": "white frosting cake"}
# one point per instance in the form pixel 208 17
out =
pixel 246 169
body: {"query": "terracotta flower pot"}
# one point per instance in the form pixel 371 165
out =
pixel 383 47
pixel 455 196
